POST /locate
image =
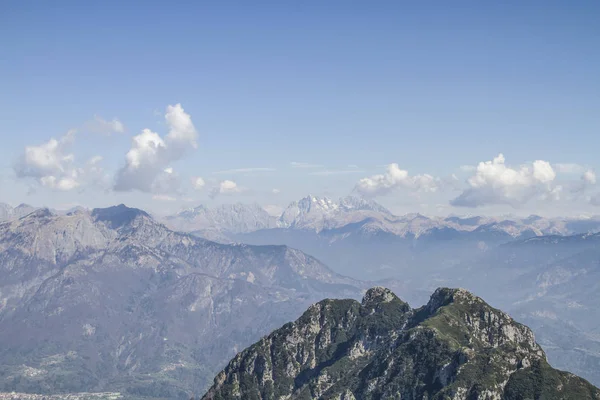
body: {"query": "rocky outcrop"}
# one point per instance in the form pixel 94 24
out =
pixel 455 347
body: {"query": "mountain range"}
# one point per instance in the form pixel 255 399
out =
pixel 112 300
pixel 321 213
pixel 362 239
pixel 318 214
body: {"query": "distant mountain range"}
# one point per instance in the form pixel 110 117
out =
pixel 318 214
pixel 216 223
pixel 454 347
pixel 112 300
pixel 308 213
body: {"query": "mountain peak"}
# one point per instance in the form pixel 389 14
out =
pixel 357 203
pixel 340 351
pixel 320 202
pixel 118 216
pixel 318 212
pixel 39 213
pixel 200 207
pixel 378 294
pixel 445 296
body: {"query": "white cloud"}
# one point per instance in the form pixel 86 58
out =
pixel 568 168
pixel 578 189
pixel 47 158
pixel 226 187
pixel 53 166
pixel 450 182
pixel 65 183
pixel 295 164
pixel 95 174
pixel 275 191
pixel 166 182
pixel 150 154
pixel 589 177
pixel 394 178
pixel 163 197
pixel 543 171
pixel 103 127
pixel 182 133
pixel 198 183
pixel 95 160
pixel 496 183
pixel 243 170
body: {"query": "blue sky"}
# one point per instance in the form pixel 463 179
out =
pixel 349 87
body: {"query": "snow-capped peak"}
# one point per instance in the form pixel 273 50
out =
pixel 356 203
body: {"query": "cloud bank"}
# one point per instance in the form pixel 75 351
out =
pixel 495 183
pixel 52 165
pixel 226 187
pixel 394 178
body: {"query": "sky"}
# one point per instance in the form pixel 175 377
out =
pixel 436 107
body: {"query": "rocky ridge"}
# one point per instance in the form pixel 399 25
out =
pixel 7 212
pixel 455 347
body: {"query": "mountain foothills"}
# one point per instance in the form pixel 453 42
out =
pixel 454 347
pixel 111 300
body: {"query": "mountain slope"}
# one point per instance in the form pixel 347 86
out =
pixel 111 300
pixel 455 347
pixel 552 284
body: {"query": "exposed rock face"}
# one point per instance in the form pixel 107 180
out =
pixel 111 300
pixel 455 347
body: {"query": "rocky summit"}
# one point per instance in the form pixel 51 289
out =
pixel 454 347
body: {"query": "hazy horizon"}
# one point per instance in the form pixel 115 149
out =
pixel 467 110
